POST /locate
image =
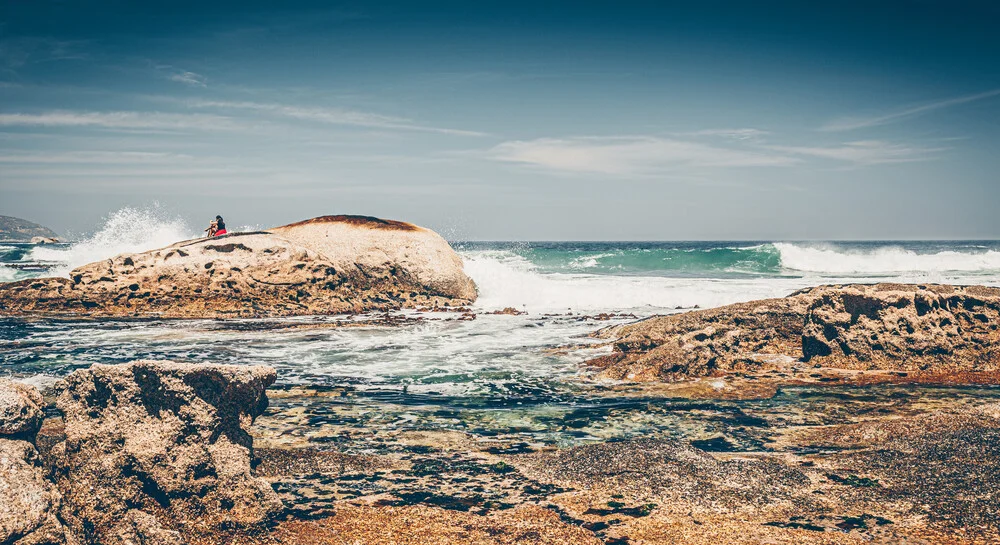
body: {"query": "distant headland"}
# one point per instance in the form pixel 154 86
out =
pixel 18 230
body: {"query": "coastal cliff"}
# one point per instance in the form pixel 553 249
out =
pixel 331 264
pixel 848 333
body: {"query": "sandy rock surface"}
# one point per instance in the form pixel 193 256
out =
pixel 28 503
pixel 385 247
pixel 156 448
pixel 20 410
pixel 333 264
pixel 816 334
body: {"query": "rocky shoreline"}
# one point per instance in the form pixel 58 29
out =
pixel 837 415
pixel 168 453
pixel 850 334
pixel 326 265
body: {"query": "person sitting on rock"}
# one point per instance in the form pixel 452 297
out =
pixel 220 227
pixel 216 228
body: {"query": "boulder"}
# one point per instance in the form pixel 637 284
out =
pixel 903 328
pixel 334 264
pixel 385 247
pixel 28 503
pixel 20 410
pixel 159 450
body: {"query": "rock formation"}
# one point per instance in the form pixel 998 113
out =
pixel 44 240
pixel 666 470
pixel 18 230
pixel 909 329
pixel 333 264
pixel 156 451
pixel 28 502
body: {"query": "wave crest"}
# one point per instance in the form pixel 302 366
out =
pixel 883 260
pixel 128 230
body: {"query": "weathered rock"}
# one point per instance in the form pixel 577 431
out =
pixel 333 264
pixel 44 240
pixel 667 469
pixel 20 410
pixel 880 327
pixel 156 448
pixel 28 503
pixel 384 247
pixel 903 327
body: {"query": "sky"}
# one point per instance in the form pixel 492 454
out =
pixel 510 120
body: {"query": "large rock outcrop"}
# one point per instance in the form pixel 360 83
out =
pixel 28 502
pixel 156 451
pixel 908 329
pixel 332 264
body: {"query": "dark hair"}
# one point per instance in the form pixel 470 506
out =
pixel 219 223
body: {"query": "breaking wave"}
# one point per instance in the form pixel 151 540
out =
pixel 128 230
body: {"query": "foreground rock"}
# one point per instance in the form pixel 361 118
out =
pixel 157 451
pixel 332 264
pixel 28 502
pixel 881 332
pixel 20 410
pixel 18 230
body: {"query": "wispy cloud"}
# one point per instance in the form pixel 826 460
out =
pixel 853 123
pixel 865 152
pixel 630 155
pixel 121 120
pixel 733 134
pixel 335 116
pixel 94 157
pixel 188 78
pixel 18 52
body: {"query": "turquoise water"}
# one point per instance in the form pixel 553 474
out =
pixel 723 259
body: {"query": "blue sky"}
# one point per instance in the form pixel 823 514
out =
pixel 624 120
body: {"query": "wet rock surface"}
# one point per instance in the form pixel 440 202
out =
pixel 851 333
pixel 828 464
pixel 333 264
pixel 161 450
pixel 832 464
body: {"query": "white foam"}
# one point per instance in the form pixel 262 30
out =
pixel 883 260
pixel 128 230
pixel 506 279
pixel 7 274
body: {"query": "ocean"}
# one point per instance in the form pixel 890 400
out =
pixel 498 376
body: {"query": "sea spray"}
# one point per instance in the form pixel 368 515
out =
pixel 842 259
pixel 127 230
pixel 506 279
